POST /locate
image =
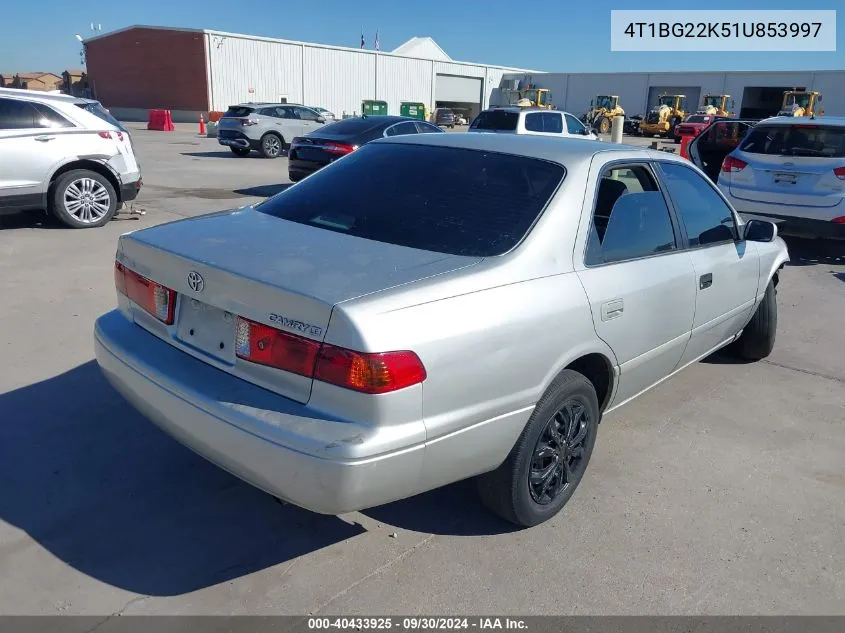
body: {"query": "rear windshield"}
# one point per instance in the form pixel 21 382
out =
pixel 496 120
pixel 239 111
pixel 697 119
pixel 442 199
pixel 99 111
pixel 350 127
pixel 796 140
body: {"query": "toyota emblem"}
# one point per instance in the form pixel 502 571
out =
pixel 195 281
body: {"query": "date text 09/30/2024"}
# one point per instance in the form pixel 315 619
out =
pixel 419 623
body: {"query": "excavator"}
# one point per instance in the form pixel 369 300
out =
pixel 601 112
pixel 715 105
pixel 801 103
pixel 663 117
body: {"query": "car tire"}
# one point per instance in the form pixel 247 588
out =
pixel 271 145
pixel 758 338
pixel 240 152
pixel 604 125
pixel 83 199
pixel 295 177
pixel 517 490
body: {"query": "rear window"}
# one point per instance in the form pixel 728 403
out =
pixel 442 199
pixel 350 127
pixel 239 111
pixel 796 140
pixel 100 112
pixel 697 119
pixel 496 120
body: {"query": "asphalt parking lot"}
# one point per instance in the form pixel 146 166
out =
pixel 722 491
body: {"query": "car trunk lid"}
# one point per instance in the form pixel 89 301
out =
pixel 271 271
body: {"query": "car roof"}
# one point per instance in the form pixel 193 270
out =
pixel 837 121
pixel 262 104
pixel 35 94
pixel 526 110
pixel 559 150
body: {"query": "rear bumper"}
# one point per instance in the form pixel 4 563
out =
pixel 304 167
pixel 792 220
pixel 239 139
pixel 130 190
pixel 242 428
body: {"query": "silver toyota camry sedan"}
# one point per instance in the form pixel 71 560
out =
pixel 435 307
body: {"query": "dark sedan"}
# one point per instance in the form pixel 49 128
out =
pixel 317 149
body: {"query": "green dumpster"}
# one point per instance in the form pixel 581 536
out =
pixel 413 110
pixel 373 107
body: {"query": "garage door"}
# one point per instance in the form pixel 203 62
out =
pixel 693 94
pixel 459 89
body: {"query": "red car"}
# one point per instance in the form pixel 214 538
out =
pixel 693 125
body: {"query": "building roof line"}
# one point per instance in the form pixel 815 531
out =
pixel 350 49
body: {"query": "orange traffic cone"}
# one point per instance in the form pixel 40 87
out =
pixel 202 126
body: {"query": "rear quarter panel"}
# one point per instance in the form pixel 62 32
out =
pixel 489 355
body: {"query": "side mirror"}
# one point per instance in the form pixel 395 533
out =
pixel 759 231
pixel 321 119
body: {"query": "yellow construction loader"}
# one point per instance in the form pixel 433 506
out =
pixel 715 105
pixel 663 117
pixel 601 112
pixel 528 97
pixel 801 103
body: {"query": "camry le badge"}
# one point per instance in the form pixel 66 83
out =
pixel 195 281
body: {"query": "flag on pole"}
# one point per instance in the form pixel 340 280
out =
pixel 362 38
pixel 376 39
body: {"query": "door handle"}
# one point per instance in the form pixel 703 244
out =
pixel 612 309
pixel 44 139
pixel 705 281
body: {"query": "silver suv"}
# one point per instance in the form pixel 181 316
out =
pixel 62 154
pixel 267 128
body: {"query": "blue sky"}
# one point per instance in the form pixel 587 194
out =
pixel 567 35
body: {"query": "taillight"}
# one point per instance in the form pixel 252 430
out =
pixel 105 134
pixel 339 148
pixel 119 136
pixel 733 164
pixel 368 373
pixel 359 371
pixel 839 220
pixel 249 122
pixel 266 345
pixel 156 299
pixel 839 172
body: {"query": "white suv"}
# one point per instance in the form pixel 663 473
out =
pixel 513 120
pixel 58 155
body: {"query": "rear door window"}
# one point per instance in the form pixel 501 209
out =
pixel 496 120
pixel 534 122
pixel 553 122
pixel 796 140
pixel 49 118
pixel 442 199
pixel 402 129
pixel 17 115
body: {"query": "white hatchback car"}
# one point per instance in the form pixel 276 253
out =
pixel 538 122
pixel 57 154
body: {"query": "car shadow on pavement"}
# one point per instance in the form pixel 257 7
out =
pixel 29 220
pixel 224 154
pixel 454 510
pixel 811 252
pixel 102 489
pixel 263 191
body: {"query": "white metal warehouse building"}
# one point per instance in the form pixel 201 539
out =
pixel 755 94
pixel 193 71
